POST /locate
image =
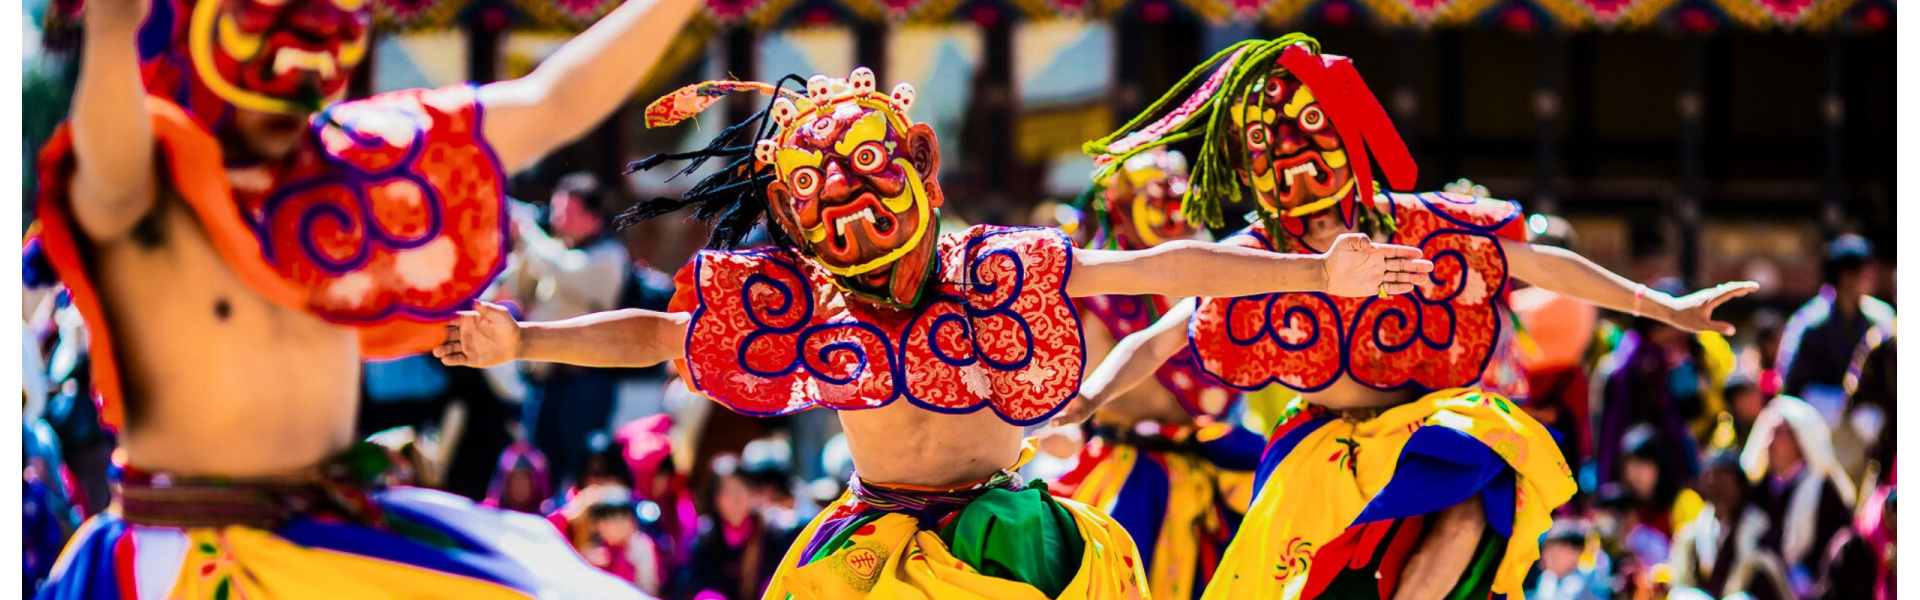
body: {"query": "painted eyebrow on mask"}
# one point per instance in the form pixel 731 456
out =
pixel 870 128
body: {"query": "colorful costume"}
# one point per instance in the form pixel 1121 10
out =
pixel 389 217
pixel 1344 495
pixel 862 302
pixel 1179 489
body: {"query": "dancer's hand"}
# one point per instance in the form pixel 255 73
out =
pixel 1694 312
pixel 483 337
pixel 1358 267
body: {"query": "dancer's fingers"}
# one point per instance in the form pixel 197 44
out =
pixel 1393 251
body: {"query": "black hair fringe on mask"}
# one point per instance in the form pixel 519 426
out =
pixel 730 201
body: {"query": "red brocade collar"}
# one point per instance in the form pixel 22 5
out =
pixel 771 335
pixel 1440 336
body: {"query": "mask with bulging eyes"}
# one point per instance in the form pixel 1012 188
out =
pixel 1143 200
pixel 1295 160
pixel 854 185
pixel 278 56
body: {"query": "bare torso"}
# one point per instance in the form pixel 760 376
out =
pixel 904 444
pixel 1347 393
pixel 217 379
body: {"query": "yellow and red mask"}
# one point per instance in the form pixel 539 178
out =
pixel 1142 200
pixel 280 56
pixel 1298 127
pixel 850 187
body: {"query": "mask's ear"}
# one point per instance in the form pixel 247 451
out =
pixel 923 151
pixel 780 205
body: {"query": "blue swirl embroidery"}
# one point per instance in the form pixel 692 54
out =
pixel 355 182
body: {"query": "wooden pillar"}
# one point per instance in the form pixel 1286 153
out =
pixel 486 31
pixel 741 62
pixel 1129 69
pixel 1833 104
pixel 1686 203
pixel 870 50
pixel 1404 103
pixel 1453 103
pixel 995 156
pixel 1546 117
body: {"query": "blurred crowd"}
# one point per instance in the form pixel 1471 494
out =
pixel 1759 466
pixel 1711 469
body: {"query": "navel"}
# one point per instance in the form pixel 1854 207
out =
pixel 222 309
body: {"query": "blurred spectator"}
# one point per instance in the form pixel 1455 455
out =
pixel 1563 576
pixel 1745 400
pixel 1860 563
pixel 1763 357
pixel 86 447
pixel 619 545
pixel 602 472
pixel 1819 339
pixel 1801 487
pixel 648 449
pixel 1870 396
pixel 48 517
pixel 458 406
pixel 521 483
pixel 738 549
pixel 1719 552
pixel 767 464
pixel 1648 494
pixel 1652 377
pixel 579 269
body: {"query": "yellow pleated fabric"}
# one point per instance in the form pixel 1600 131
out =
pixel 1324 483
pixel 243 562
pixel 1192 485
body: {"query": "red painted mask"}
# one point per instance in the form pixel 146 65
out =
pixel 1296 162
pixel 1143 200
pixel 284 56
pixel 854 186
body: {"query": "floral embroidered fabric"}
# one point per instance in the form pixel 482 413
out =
pixel 1439 336
pixel 394 209
pixel 771 334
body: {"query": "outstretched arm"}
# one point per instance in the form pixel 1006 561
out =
pixel 1562 271
pixel 1354 267
pixel 489 336
pixel 113 179
pixel 581 83
pixel 1132 361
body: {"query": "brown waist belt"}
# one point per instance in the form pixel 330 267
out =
pixel 336 490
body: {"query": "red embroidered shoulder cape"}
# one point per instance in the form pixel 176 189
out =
pixel 1199 394
pixel 1439 336
pixel 771 334
pixel 390 217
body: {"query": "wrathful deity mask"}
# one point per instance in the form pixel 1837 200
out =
pixel 1298 127
pixel 281 56
pixel 851 185
pixel 1295 161
pixel 848 177
pixel 1143 200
